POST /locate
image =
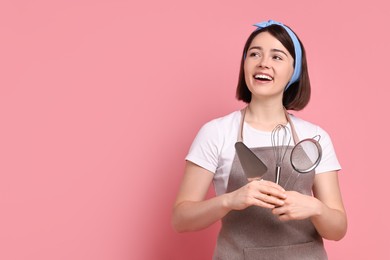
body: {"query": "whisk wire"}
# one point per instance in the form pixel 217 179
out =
pixel 280 139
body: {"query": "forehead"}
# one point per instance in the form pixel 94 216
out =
pixel 267 41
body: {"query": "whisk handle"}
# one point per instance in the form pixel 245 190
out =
pixel 277 174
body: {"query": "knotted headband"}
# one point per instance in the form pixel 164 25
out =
pixel 297 48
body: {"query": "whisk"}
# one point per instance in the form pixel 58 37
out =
pixel 280 138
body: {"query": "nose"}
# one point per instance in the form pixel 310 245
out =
pixel 263 62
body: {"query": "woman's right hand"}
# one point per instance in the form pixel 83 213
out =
pixel 262 193
pixel 192 211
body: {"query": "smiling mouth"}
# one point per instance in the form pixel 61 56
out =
pixel 263 77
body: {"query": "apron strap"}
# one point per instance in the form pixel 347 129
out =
pixel 294 133
pixel 241 128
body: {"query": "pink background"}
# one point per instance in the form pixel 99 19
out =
pixel 100 101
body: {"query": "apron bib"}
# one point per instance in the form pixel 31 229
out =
pixel 255 233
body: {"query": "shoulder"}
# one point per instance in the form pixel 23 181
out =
pixel 212 141
pixel 306 129
pixel 216 133
pixel 223 124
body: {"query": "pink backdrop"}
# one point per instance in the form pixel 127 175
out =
pixel 100 100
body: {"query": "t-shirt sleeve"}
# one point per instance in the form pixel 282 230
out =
pixel 205 148
pixel 329 161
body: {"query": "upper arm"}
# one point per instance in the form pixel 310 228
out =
pixel 327 189
pixel 195 184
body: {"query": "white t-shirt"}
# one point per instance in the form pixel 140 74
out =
pixel 213 147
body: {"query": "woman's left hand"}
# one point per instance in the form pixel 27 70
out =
pixel 297 206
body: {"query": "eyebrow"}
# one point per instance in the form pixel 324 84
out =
pixel 273 50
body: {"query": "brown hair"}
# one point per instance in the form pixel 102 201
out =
pixel 297 96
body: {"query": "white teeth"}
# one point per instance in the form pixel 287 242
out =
pixel 262 76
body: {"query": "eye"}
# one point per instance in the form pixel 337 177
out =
pixel 254 54
pixel 277 57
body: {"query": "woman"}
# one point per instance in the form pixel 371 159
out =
pixel 260 219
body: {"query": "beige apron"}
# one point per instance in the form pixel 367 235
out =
pixel 255 233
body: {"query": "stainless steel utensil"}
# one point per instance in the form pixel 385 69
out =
pixel 305 156
pixel 280 138
pixel 252 165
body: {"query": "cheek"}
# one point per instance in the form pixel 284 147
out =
pixel 247 77
pixel 245 66
pixel 292 68
pixel 247 71
pixel 289 71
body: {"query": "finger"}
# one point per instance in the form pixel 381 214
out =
pixel 263 204
pixel 279 211
pixel 272 185
pixel 284 217
pixel 269 199
pixel 272 191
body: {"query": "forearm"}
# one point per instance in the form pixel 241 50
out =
pixel 197 215
pixel 330 223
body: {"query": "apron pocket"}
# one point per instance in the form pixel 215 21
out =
pixel 311 251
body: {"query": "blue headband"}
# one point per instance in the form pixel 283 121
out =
pixel 297 48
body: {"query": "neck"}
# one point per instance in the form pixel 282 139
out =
pixel 265 116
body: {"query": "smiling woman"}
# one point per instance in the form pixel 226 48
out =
pixel 268 67
pixel 261 219
pixel 288 45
